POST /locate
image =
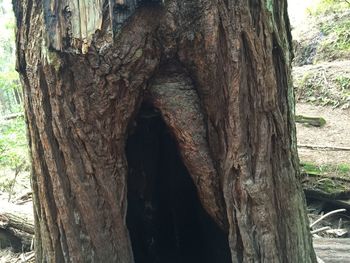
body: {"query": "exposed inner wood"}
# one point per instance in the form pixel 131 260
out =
pixel 173 93
pixel 72 24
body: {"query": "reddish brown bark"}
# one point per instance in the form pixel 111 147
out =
pixel 218 71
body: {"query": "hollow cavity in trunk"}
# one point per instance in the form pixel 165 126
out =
pixel 165 218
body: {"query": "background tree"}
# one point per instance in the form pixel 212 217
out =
pixel 10 91
pixel 102 78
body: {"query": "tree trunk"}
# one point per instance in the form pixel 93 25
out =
pixel 126 100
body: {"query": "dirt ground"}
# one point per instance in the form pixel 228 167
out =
pixel 330 69
pixel 336 133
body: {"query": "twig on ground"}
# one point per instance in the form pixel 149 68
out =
pixel 25 257
pixel 327 215
pixel 320 230
pixel 319 147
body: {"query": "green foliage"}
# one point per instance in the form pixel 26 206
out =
pixel 13 142
pixel 330 186
pixel 326 178
pixel 13 145
pixel 343 82
pixel 6 184
pixel 327 35
pixel 14 160
pixel 344 168
pixel 7 37
pixel 323 85
pixel 324 7
pixel 337 38
pixel 10 92
pixel 326 169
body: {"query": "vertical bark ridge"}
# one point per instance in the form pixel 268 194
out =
pixel 48 233
pixel 54 161
pixel 88 176
pixel 249 163
pixel 80 167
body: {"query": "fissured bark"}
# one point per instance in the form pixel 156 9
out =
pixel 219 73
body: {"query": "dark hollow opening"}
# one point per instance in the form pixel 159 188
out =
pixel 165 219
pixel 9 241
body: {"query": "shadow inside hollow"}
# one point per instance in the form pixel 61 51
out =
pixel 165 218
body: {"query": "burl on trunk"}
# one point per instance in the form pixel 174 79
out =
pixel 162 131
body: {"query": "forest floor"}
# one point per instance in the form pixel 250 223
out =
pixel 326 170
pixel 335 133
pixel 323 83
pixel 323 91
pixel 321 74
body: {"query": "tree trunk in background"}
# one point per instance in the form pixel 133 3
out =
pixel 218 72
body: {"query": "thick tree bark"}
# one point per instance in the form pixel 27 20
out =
pixel 219 73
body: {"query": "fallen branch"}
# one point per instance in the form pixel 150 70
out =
pixel 326 215
pixel 329 199
pixel 15 222
pixel 334 178
pixel 27 257
pixel 340 199
pixel 324 148
pixel 322 229
pixel 13 116
pixel 20 222
pixel 27 197
pixel 313 121
pixel 337 232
